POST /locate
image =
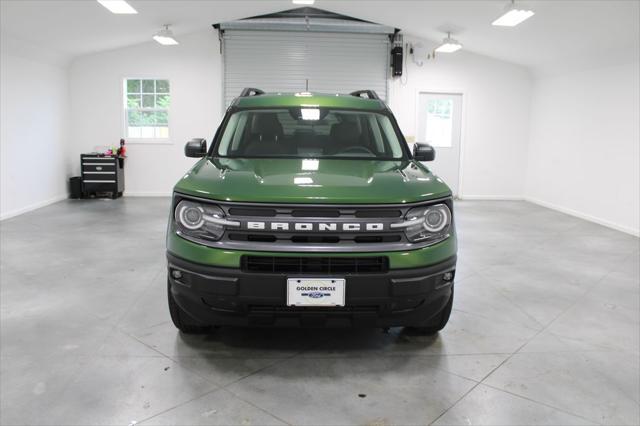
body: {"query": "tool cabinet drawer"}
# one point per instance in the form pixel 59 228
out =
pixel 102 174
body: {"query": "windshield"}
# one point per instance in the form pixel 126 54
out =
pixel 310 132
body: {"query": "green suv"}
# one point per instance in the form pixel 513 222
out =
pixel 310 210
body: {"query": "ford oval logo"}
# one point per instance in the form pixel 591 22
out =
pixel 316 295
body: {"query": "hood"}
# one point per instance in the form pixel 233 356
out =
pixel 330 181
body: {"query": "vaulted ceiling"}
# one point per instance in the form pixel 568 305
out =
pixel 563 34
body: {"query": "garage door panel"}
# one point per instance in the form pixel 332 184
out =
pixel 282 61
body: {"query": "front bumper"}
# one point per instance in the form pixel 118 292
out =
pixel 406 259
pixel 229 296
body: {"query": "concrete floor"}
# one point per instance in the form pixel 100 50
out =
pixel 545 330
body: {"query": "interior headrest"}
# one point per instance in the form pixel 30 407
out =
pixel 267 124
pixel 345 132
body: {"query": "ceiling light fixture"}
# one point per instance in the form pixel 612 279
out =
pixel 307 2
pixel 513 15
pixel 165 37
pixel 119 7
pixel 449 45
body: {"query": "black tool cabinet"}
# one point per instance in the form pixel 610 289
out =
pixel 102 174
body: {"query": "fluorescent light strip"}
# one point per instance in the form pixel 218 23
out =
pixel 307 2
pixel 165 41
pixel 513 17
pixel 448 47
pixel 119 7
pixel 165 37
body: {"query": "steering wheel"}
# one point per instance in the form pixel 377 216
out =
pixel 356 150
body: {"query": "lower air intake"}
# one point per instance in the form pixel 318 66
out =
pixel 315 265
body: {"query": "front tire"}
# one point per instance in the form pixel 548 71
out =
pixel 439 321
pixel 183 320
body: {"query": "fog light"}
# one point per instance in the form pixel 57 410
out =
pixel 176 274
pixel 448 276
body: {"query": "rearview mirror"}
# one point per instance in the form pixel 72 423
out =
pixel 423 152
pixel 196 148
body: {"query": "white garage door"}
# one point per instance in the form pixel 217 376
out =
pixel 283 61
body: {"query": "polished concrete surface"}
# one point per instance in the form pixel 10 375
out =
pixel 545 330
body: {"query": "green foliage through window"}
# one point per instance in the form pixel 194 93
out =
pixel 440 107
pixel 147 108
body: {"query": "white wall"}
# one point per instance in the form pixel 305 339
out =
pixel 584 150
pixel 34 110
pixel 495 130
pixel 495 138
pixel 193 68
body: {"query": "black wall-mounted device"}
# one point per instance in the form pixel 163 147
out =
pixel 396 61
pixel 397 55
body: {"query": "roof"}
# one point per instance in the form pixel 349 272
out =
pixel 289 100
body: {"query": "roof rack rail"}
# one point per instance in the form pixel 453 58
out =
pixel 371 94
pixel 251 91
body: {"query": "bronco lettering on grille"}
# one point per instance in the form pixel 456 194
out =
pixel 315 226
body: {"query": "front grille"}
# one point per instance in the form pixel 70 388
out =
pixel 333 238
pixel 315 265
pixel 252 212
pixel 315 213
pixel 274 228
pixel 317 239
pixel 373 213
pixel 314 238
pixel 262 238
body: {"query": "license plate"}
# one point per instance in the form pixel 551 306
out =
pixel 315 291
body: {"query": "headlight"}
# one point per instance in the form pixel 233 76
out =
pixel 189 215
pixel 431 223
pixel 200 221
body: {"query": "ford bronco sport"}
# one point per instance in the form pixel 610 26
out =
pixel 310 210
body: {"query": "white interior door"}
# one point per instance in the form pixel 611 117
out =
pixel 440 125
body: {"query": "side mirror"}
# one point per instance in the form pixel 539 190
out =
pixel 196 148
pixel 423 152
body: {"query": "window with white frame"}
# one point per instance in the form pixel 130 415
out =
pixel 146 104
pixel 439 122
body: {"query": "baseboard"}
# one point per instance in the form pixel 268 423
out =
pixel 34 206
pixel 147 194
pixel 491 197
pixel 590 218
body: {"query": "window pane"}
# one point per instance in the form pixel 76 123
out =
pixel 161 117
pixel 163 101
pixel 439 122
pixel 147 86
pixel 334 133
pixel 162 86
pixel 133 86
pixel 133 117
pixel 162 132
pixel 390 136
pixel 133 132
pixel 133 101
pixel 147 101
pixel 141 118
pixel 148 132
pixel 146 108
